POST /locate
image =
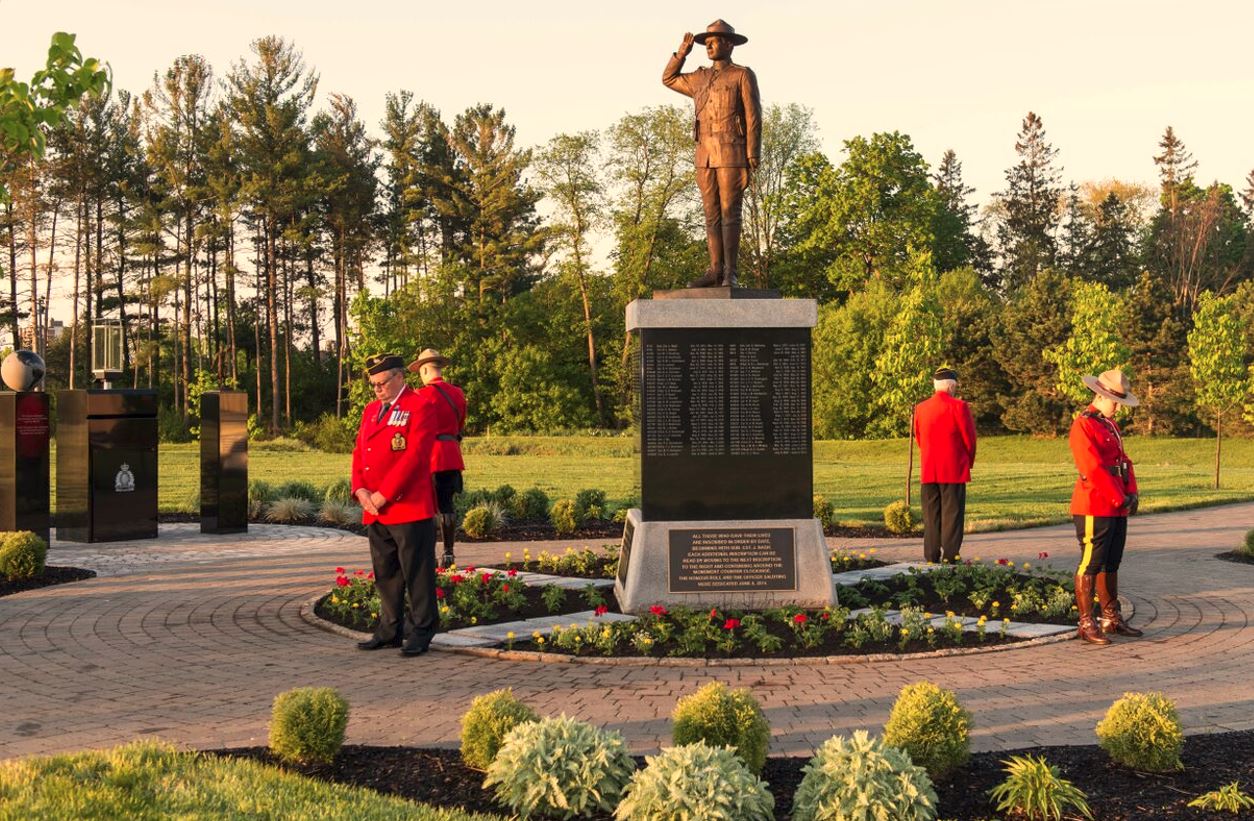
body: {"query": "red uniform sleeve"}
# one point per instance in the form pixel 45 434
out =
pixel 420 432
pixel 1089 462
pixel 358 475
pixel 914 423
pixel 967 427
pixel 1131 477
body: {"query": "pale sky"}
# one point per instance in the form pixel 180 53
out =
pixel 1106 76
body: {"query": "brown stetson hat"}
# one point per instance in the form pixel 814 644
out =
pixel 722 29
pixel 428 355
pixel 1112 384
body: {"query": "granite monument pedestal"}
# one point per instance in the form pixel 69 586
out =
pixel 24 462
pixel 726 461
pixel 224 462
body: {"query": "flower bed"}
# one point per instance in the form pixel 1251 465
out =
pixel 51 575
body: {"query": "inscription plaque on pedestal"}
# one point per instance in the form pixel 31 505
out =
pixel 725 423
pixel 733 561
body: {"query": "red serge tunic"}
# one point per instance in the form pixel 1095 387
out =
pixel 393 457
pixel 1097 447
pixel 945 431
pixel 447 452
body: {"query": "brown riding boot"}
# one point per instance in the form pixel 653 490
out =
pixel 448 527
pixel 1089 630
pixel 1112 617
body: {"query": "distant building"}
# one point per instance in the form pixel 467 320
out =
pixel 52 333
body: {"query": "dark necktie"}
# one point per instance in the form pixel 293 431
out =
pixel 383 412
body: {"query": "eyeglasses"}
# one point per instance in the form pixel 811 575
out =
pixel 378 386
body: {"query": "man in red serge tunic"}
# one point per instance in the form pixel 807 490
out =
pixel 945 431
pixel 448 407
pixel 1105 495
pixel 392 481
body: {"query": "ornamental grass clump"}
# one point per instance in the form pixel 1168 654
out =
pixel 307 724
pixel 861 777
pixel 299 489
pixel 1142 731
pixel 339 513
pixel 560 767
pixel 724 718
pixel 1033 789
pixel 695 781
pixel 487 722
pixel 898 517
pixel 289 510
pixel 929 724
pixel 339 490
pixel 22 555
pixel 483 521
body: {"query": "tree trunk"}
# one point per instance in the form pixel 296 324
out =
pixel 230 301
pixel 910 459
pixel 272 319
pixel 32 240
pixel 1218 444
pixel 78 261
pixel 187 315
pixel 313 308
pixel 9 221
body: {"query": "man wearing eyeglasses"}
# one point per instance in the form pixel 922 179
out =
pixel 392 482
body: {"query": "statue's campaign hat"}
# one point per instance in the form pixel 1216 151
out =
pixel 428 355
pixel 381 362
pixel 1112 384
pixel 723 29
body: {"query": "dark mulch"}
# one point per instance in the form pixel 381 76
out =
pixel 51 575
pixel 1238 556
pixel 437 776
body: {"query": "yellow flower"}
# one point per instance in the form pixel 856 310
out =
pixel 540 640
pixel 861 555
pixel 535 634
pixel 931 630
pixel 510 635
pixel 977 558
pixel 982 619
pixel 949 614
pixel 474 619
pixel 927 615
pixel 508 555
pixel 374 615
pixel 335 600
pixel 996 604
pixel 872 550
pixel 605 633
pixel 444 609
pixel 905 632
pixel 1027 565
pixel 1005 621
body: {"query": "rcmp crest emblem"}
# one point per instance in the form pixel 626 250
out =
pixel 398 442
pixel 124 482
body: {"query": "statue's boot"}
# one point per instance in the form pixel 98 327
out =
pixel 448 528
pixel 1112 617
pixel 712 275
pixel 731 254
pixel 1089 630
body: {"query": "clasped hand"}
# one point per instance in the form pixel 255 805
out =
pixel 371 502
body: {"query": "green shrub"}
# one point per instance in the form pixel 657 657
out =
pixel 483 521
pixel 339 490
pixel 307 724
pixel 928 723
pixel 328 434
pixel 559 767
pixel 530 505
pixel 262 491
pixel 1034 790
pixel 289 511
pixel 1227 798
pixel 339 513
pixel 1249 542
pixel 824 511
pixel 504 496
pixel 861 777
pixel 696 781
pixel 298 489
pixel 486 723
pixel 724 718
pixel 563 517
pixel 898 517
pixel 22 555
pixel 1142 731
pixel 589 504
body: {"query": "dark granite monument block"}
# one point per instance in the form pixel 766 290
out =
pixel 24 461
pixel 224 462
pixel 106 465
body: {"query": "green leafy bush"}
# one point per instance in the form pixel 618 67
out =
pixel 699 782
pixel 328 434
pixel 262 491
pixel 339 490
pixel 486 723
pixel 1142 731
pixel 898 517
pixel 483 521
pixel 530 505
pixel 1227 798
pixel 724 718
pixel 824 511
pixel 559 767
pixel 22 555
pixel 307 724
pixel 929 724
pixel 563 517
pixel 1249 542
pixel 861 777
pixel 298 489
pixel 1033 789
pixel 288 511
pixel 589 504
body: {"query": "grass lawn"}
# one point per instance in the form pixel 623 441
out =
pixel 1017 480
pixel 147 780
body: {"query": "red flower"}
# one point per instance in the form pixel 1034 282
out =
pixel 731 624
pixel 826 616
pixel 601 610
pixel 714 613
pixel 512 573
pixel 800 618
pixel 1042 555
pixel 370 575
pixel 339 571
pixel 470 569
pixel 485 578
pixel 359 572
pixel 342 581
pixel 439 592
pixel 658 610
pixel 505 588
pixel 456 578
pixel 1003 561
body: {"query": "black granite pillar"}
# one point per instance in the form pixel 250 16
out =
pixel 224 462
pixel 24 460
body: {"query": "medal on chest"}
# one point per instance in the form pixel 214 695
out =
pixel 398 442
pixel 399 418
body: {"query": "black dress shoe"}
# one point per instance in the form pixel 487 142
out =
pixel 376 643
pixel 414 649
pixel 447 561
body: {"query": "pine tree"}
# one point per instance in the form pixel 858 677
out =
pixel 1075 244
pixel 1112 256
pixel 1031 322
pixel 1029 207
pixel 957 242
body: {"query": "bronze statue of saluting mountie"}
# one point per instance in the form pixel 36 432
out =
pixel 728 132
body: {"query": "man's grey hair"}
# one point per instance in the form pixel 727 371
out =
pixel 946 385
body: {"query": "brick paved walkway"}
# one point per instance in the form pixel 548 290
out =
pixel 190 638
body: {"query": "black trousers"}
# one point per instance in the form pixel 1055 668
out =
pixel 944 512
pixel 404 564
pixel 447 484
pixel 1101 543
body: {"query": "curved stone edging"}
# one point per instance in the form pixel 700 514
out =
pixel 309 616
